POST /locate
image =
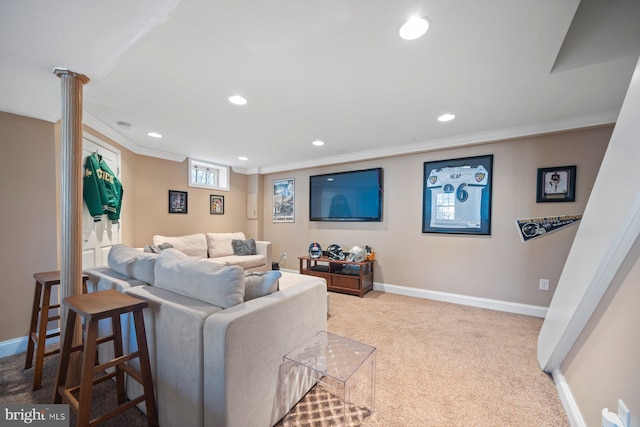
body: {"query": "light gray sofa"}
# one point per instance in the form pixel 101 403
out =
pixel 217 247
pixel 216 356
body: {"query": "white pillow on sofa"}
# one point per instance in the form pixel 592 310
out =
pixel 260 284
pixel 217 284
pixel 133 263
pixel 194 245
pixel 220 243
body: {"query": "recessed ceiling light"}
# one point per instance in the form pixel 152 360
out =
pixel 415 27
pixel 318 143
pixel 154 134
pixel 243 158
pixel 446 117
pixel 237 100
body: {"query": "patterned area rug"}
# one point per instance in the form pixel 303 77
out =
pixel 320 408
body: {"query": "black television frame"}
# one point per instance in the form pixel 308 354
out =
pixel 378 218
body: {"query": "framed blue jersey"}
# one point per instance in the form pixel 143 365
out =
pixel 457 196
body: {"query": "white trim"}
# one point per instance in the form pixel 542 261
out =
pixel 457 141
pixel 19 345
pixel 568 402
pixel 591 120
pixel 491 304
pixel 609 267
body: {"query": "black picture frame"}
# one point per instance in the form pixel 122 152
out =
pixel 456 197
pixel 178 202
pixel 216 205
pixel 556 184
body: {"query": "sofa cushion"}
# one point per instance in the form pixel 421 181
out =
pixel 217 284
pixel 219 244
pixel 244 247
pixel 246 261
pixel 260 284
pixel 133 263
pixel 194 245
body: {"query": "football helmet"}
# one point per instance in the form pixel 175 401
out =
pixel 357 254
pixel 315 251
pixel 335 252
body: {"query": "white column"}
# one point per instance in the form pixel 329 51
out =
pixel 71 199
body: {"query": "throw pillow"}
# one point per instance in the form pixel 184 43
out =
pixel 260 284
pixel 217 284
pixel 133 263
pixel 244 247
pixel 153 249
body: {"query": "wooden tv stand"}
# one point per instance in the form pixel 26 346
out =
pixel 355 278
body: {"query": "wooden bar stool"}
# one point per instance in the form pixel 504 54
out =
pixel 93 307
pixel 40 312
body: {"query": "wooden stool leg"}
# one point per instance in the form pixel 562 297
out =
pixel 65 354
pixel 35 310
pixel 42 338
pixel 117 352
pixel 86 377
pixel 145 369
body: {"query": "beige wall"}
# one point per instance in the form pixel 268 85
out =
pixel 603 365
pixel 155 177
pixel 499 266
pixel 27 216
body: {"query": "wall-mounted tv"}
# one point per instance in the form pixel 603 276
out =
pixel 346 196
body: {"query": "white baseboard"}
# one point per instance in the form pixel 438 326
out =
pixel 568 402
pixel 19 345
pixel 492 304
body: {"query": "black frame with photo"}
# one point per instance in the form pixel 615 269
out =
pixel 476 191
pixel 178 202
pixel 557 184
pixel 216 210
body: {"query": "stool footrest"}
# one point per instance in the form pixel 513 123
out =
pixel 52 352
pixel 116 361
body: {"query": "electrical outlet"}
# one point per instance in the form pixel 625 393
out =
pixel 623 413
pixel 284 255
pixel 544 284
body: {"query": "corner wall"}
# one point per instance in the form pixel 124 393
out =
pixel 28 216
pixel 499 266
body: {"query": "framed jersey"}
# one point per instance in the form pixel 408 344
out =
pixel 456 196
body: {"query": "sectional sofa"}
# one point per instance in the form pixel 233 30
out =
pixel 216 333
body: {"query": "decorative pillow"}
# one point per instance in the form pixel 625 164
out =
pixel 244 247
pixel 194 245
pixel 153 249
pixel 217 284
pixel 133 263
pixel 219 244
pixel 260 284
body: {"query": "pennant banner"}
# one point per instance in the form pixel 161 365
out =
pixel 532 228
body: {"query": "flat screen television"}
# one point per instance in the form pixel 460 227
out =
pixel 346 196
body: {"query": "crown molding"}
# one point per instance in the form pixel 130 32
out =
pixel 573 123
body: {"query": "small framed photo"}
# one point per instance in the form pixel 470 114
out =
pixel 556 184
pixel 216 204
pixel 177 202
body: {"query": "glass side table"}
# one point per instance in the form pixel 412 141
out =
pixel 345 367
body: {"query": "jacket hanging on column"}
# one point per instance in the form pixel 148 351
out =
pixel 102 191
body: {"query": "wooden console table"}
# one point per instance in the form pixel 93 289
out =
pixel 355 278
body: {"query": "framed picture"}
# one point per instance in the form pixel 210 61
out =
pixel 177 202
pixel 456 196
pixel 216 204
pixel 556 184
pixel 284 200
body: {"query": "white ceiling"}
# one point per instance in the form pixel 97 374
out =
pixel 334 70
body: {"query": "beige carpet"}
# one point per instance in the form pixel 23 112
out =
pixel 438 364
pixel 442 364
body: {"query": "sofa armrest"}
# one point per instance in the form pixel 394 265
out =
pixel 264 248
pixel 244 346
